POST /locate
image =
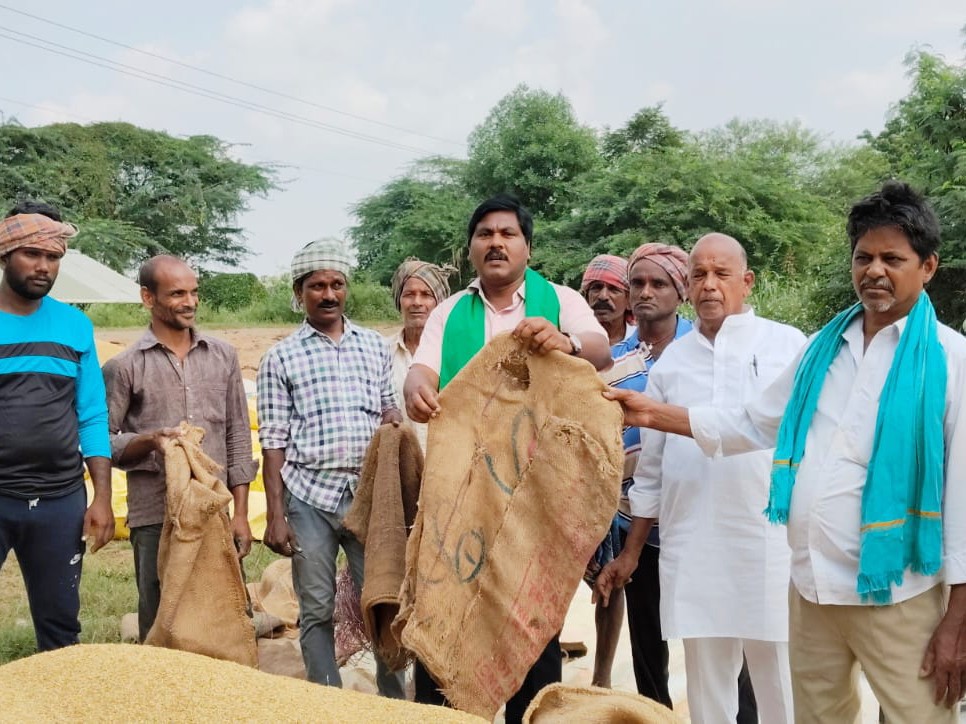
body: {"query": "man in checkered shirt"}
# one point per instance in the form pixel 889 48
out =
pixel 322 392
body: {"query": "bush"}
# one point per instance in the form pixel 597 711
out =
pixel 785 300
pixel 369 301
pixel 270 304
pixel 274 307
pixel 230 291
pixel 117 315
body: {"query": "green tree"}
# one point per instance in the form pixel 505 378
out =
pixel 134 191
pixel 422 214
pixel 648 130
pixel 752 181
pixel 924 143
pixel 531 145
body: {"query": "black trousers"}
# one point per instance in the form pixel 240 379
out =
pixel 649 652
pixel 45 533
pixel 548 669
pixel 145 540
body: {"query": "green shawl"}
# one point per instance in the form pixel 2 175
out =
pixel 465 330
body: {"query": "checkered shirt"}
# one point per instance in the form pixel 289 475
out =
pixel 321 402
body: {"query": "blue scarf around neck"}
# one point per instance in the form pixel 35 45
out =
pixel 903 492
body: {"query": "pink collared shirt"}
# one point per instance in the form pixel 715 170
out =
pixel 576 318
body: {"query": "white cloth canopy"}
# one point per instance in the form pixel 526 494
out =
pixel 83 280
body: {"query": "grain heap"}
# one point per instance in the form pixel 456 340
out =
pixel 150 684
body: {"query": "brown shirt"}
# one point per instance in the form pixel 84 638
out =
pixel 149 388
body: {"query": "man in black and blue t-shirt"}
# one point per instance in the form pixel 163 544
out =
pixel 53 413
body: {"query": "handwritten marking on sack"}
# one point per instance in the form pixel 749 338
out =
pixel 526 414
pixel 496 477
pixel 470 555
pixel 429 575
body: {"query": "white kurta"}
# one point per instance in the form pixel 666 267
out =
pixel 724 568
pixel 402 360
pixel 826 507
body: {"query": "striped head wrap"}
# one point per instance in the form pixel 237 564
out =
pixel 435 277
pixel 34 230
pixel 608 269
pixel 672 259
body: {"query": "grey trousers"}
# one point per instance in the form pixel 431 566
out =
pixel 319 535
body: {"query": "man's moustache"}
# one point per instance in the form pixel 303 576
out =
pixel 495 255
pixel 876 285
pixel 607 306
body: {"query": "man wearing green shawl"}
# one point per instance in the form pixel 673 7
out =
pixel 506 296
pixel 869 430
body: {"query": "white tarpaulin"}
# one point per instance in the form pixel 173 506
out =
pixel 82 280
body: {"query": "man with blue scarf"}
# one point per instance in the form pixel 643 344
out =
pixel 869 430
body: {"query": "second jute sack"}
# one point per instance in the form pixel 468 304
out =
pixel 521 481
pixel 203 605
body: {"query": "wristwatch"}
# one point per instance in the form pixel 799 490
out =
pixel 574 343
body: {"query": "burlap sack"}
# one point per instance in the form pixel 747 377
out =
pixel 559 704
pixel 522 479
pixel 382 513
pixel 274 594
pixel 203 605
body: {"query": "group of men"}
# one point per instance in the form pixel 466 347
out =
pixel 865 418
pixel 717 575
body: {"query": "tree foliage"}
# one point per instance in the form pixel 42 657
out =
pixel 134 191
pixel 647 130
pixel 422 214
pixel 924 142
pixel 532 145
pixel 230 291
pixel 779 188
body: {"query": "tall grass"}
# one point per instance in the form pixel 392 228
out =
pixel 787 300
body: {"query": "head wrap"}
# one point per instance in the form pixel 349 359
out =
pixel 35 230
pixel 328 254
pixel 672 259
pixel 435 277
pixel 608 269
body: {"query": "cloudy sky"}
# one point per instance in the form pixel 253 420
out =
pixel 367 87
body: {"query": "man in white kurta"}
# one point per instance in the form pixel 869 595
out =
pixel 723 566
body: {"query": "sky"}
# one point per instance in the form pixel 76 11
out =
pixel 377 85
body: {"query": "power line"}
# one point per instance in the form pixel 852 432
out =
pixel 164 80
pixel 48 109
pixel 221 76
pixel 270 164
pixel 316 169
pixel 159 79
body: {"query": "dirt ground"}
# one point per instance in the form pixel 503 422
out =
pixel 251 342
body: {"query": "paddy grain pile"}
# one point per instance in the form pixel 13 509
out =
pixel 91 682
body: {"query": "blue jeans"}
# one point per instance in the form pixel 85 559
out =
pixel 319 535
pixel 45 533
